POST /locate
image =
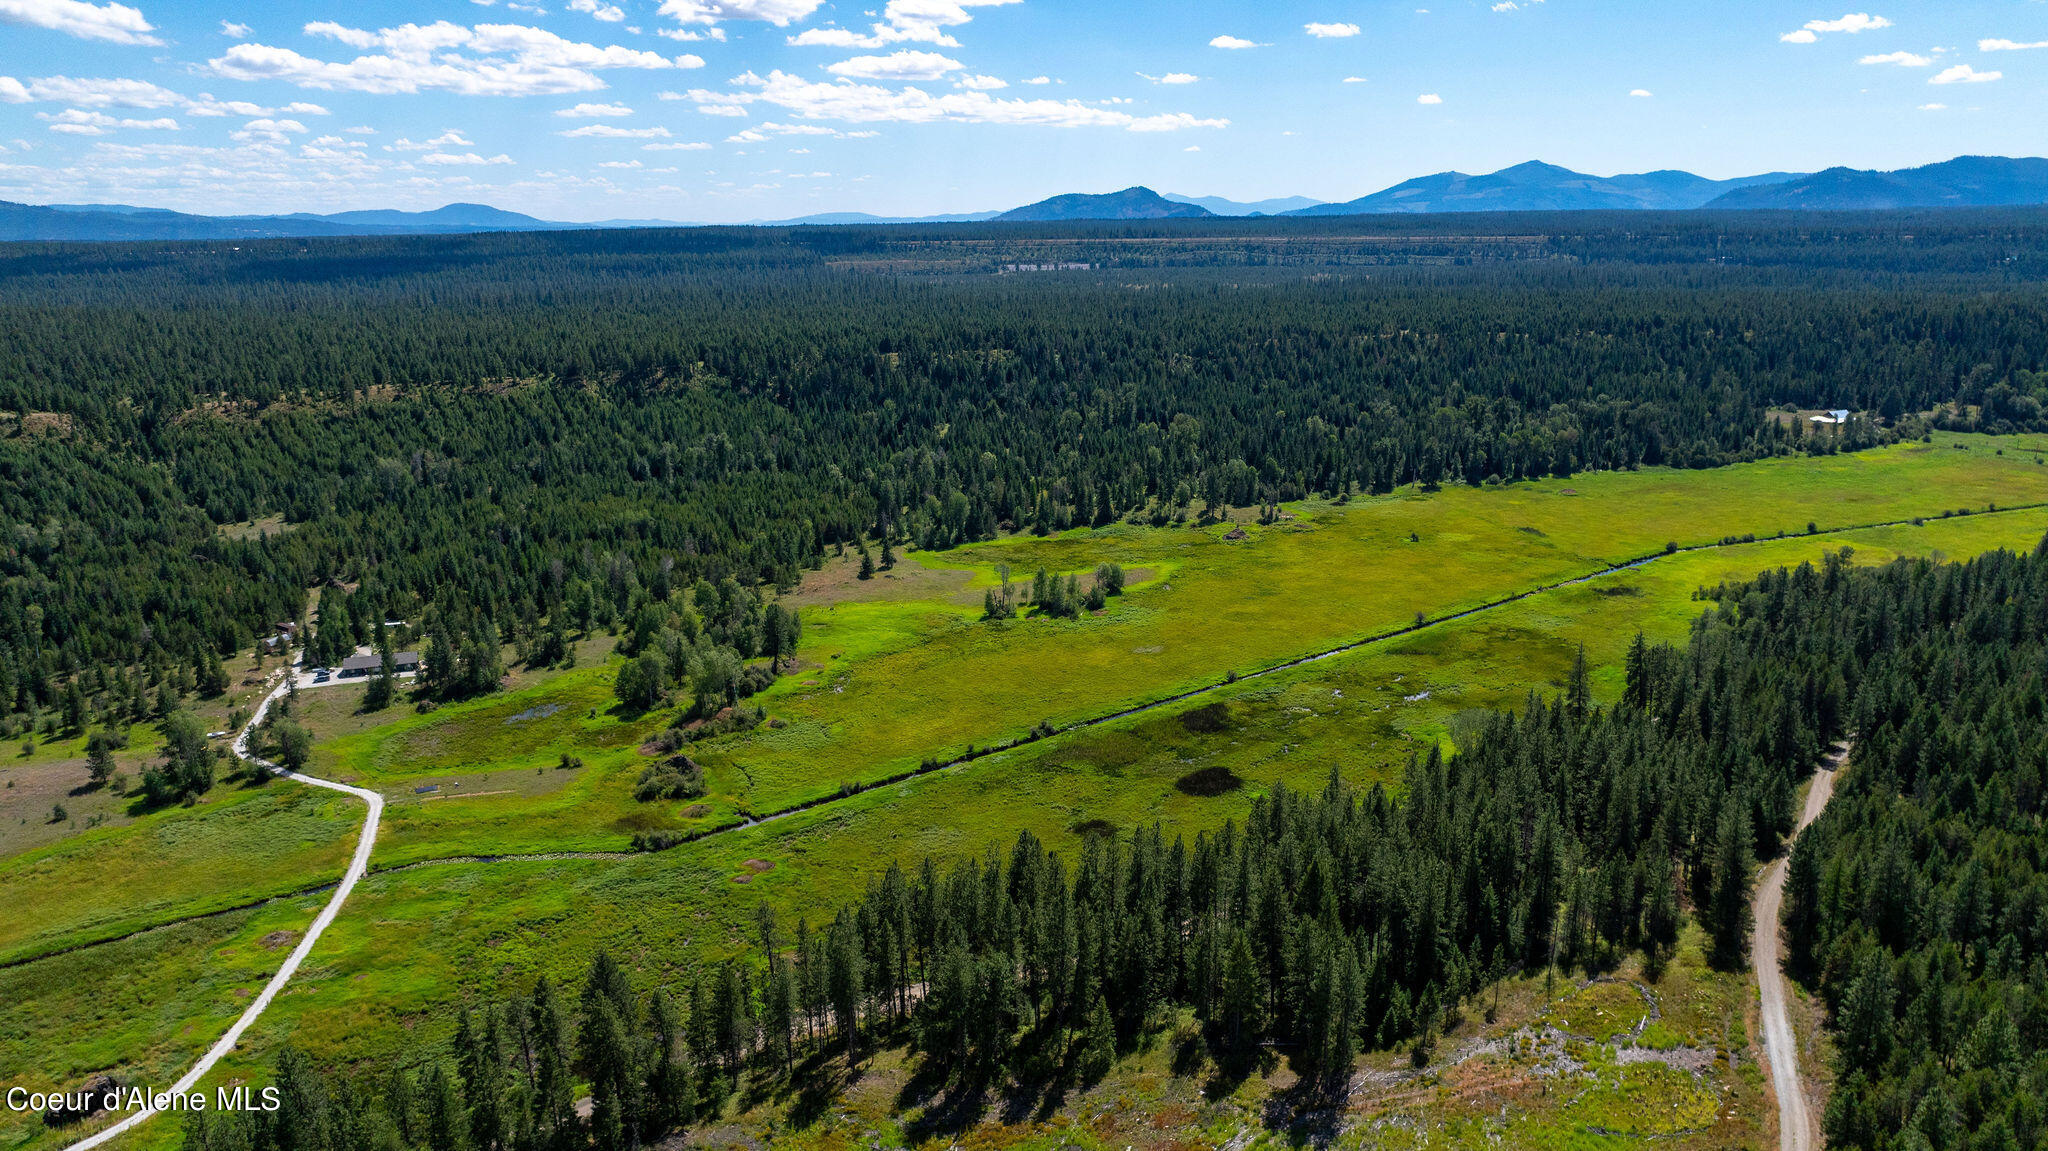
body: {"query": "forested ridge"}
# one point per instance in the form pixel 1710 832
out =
pixel 480 430
pixel 1335 922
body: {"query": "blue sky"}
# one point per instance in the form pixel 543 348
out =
pixel 717 110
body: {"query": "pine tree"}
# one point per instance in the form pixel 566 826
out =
pixel 553 1097
pixel 443 1125
pixel 1729 913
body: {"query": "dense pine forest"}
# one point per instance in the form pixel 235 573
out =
pixel 492 436
pixel 1331 923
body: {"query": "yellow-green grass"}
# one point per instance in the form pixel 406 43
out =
pixel 901 682
pixel 889 682
pixel 147 1006
pixel 416 943
pixel 426 937
pixel 239 845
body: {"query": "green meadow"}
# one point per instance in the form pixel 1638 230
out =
pixel 432 937
pixel 893 679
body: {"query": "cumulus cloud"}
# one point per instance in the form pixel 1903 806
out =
pixel 79 122
pixel 982 83
pixel 777 12
pixel 1171 78
pixel 620 164
pixel 871 103
pixel 2009 45
pixel 267 131
pixel 462 159
pixel 1039 80
pixel 610 13
pixel 904 65
pixel 676 147
pixel 102 92
pixel 486 60
pixel 593 111
pixel 1330 31
pixel 116 23
pixel 614 132
pixel 449 138
pixel 1933 107
pixel 1233 42
pixel 915 21
pixel 1852 22
pixel 1356 80
pixel 233 30
pixel 1963 74
pixel 1429 98
pixel 1640 93
pixel 1902 59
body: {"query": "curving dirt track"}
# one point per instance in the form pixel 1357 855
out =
pixel 1797 1129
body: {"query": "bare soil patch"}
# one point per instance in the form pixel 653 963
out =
pixel 839 581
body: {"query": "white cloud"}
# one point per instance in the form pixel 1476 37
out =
pixel 594 111
pixel 1641 93
pixel 361 130
pixel 1963 74
pixel 13 91
pixel 1192 148
pixel 1933 107
pixel 1171 78
pixel 1039 80
pixel 487 60
pixel 233 30
pixel 1429 98
pixel 117 23
pixel 464 159
pixel 1330 31
pixel 678 147
pixel 610 13
pixel 449 138
pixel 2009 45
pixel 1233 42
pixel 904 65
pixel 79 122
pixel 917 21
pixel 620 164
pixel 691 34
pixel 870 103
pixel 777 12
pixel 982 83
pixel 1902 59
pixel 1852 22
pixel 614 132
pixel 267 131
pixel 722 109
pixel 1356 80
pixel 102 92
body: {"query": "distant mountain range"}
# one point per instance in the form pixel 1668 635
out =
pixel 1536 187
pixel 1223 207
pixel 1129 204
pixel 1964 182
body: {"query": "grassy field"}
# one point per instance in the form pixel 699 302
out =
pixel 901 669
pixel 414 944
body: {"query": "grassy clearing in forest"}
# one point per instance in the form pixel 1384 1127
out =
pixel 431 938
pixel 414 944
pixel 892 680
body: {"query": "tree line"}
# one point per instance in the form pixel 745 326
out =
pixel 518 430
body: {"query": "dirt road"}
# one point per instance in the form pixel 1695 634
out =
pixel 1797 1130
pixel 357 865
